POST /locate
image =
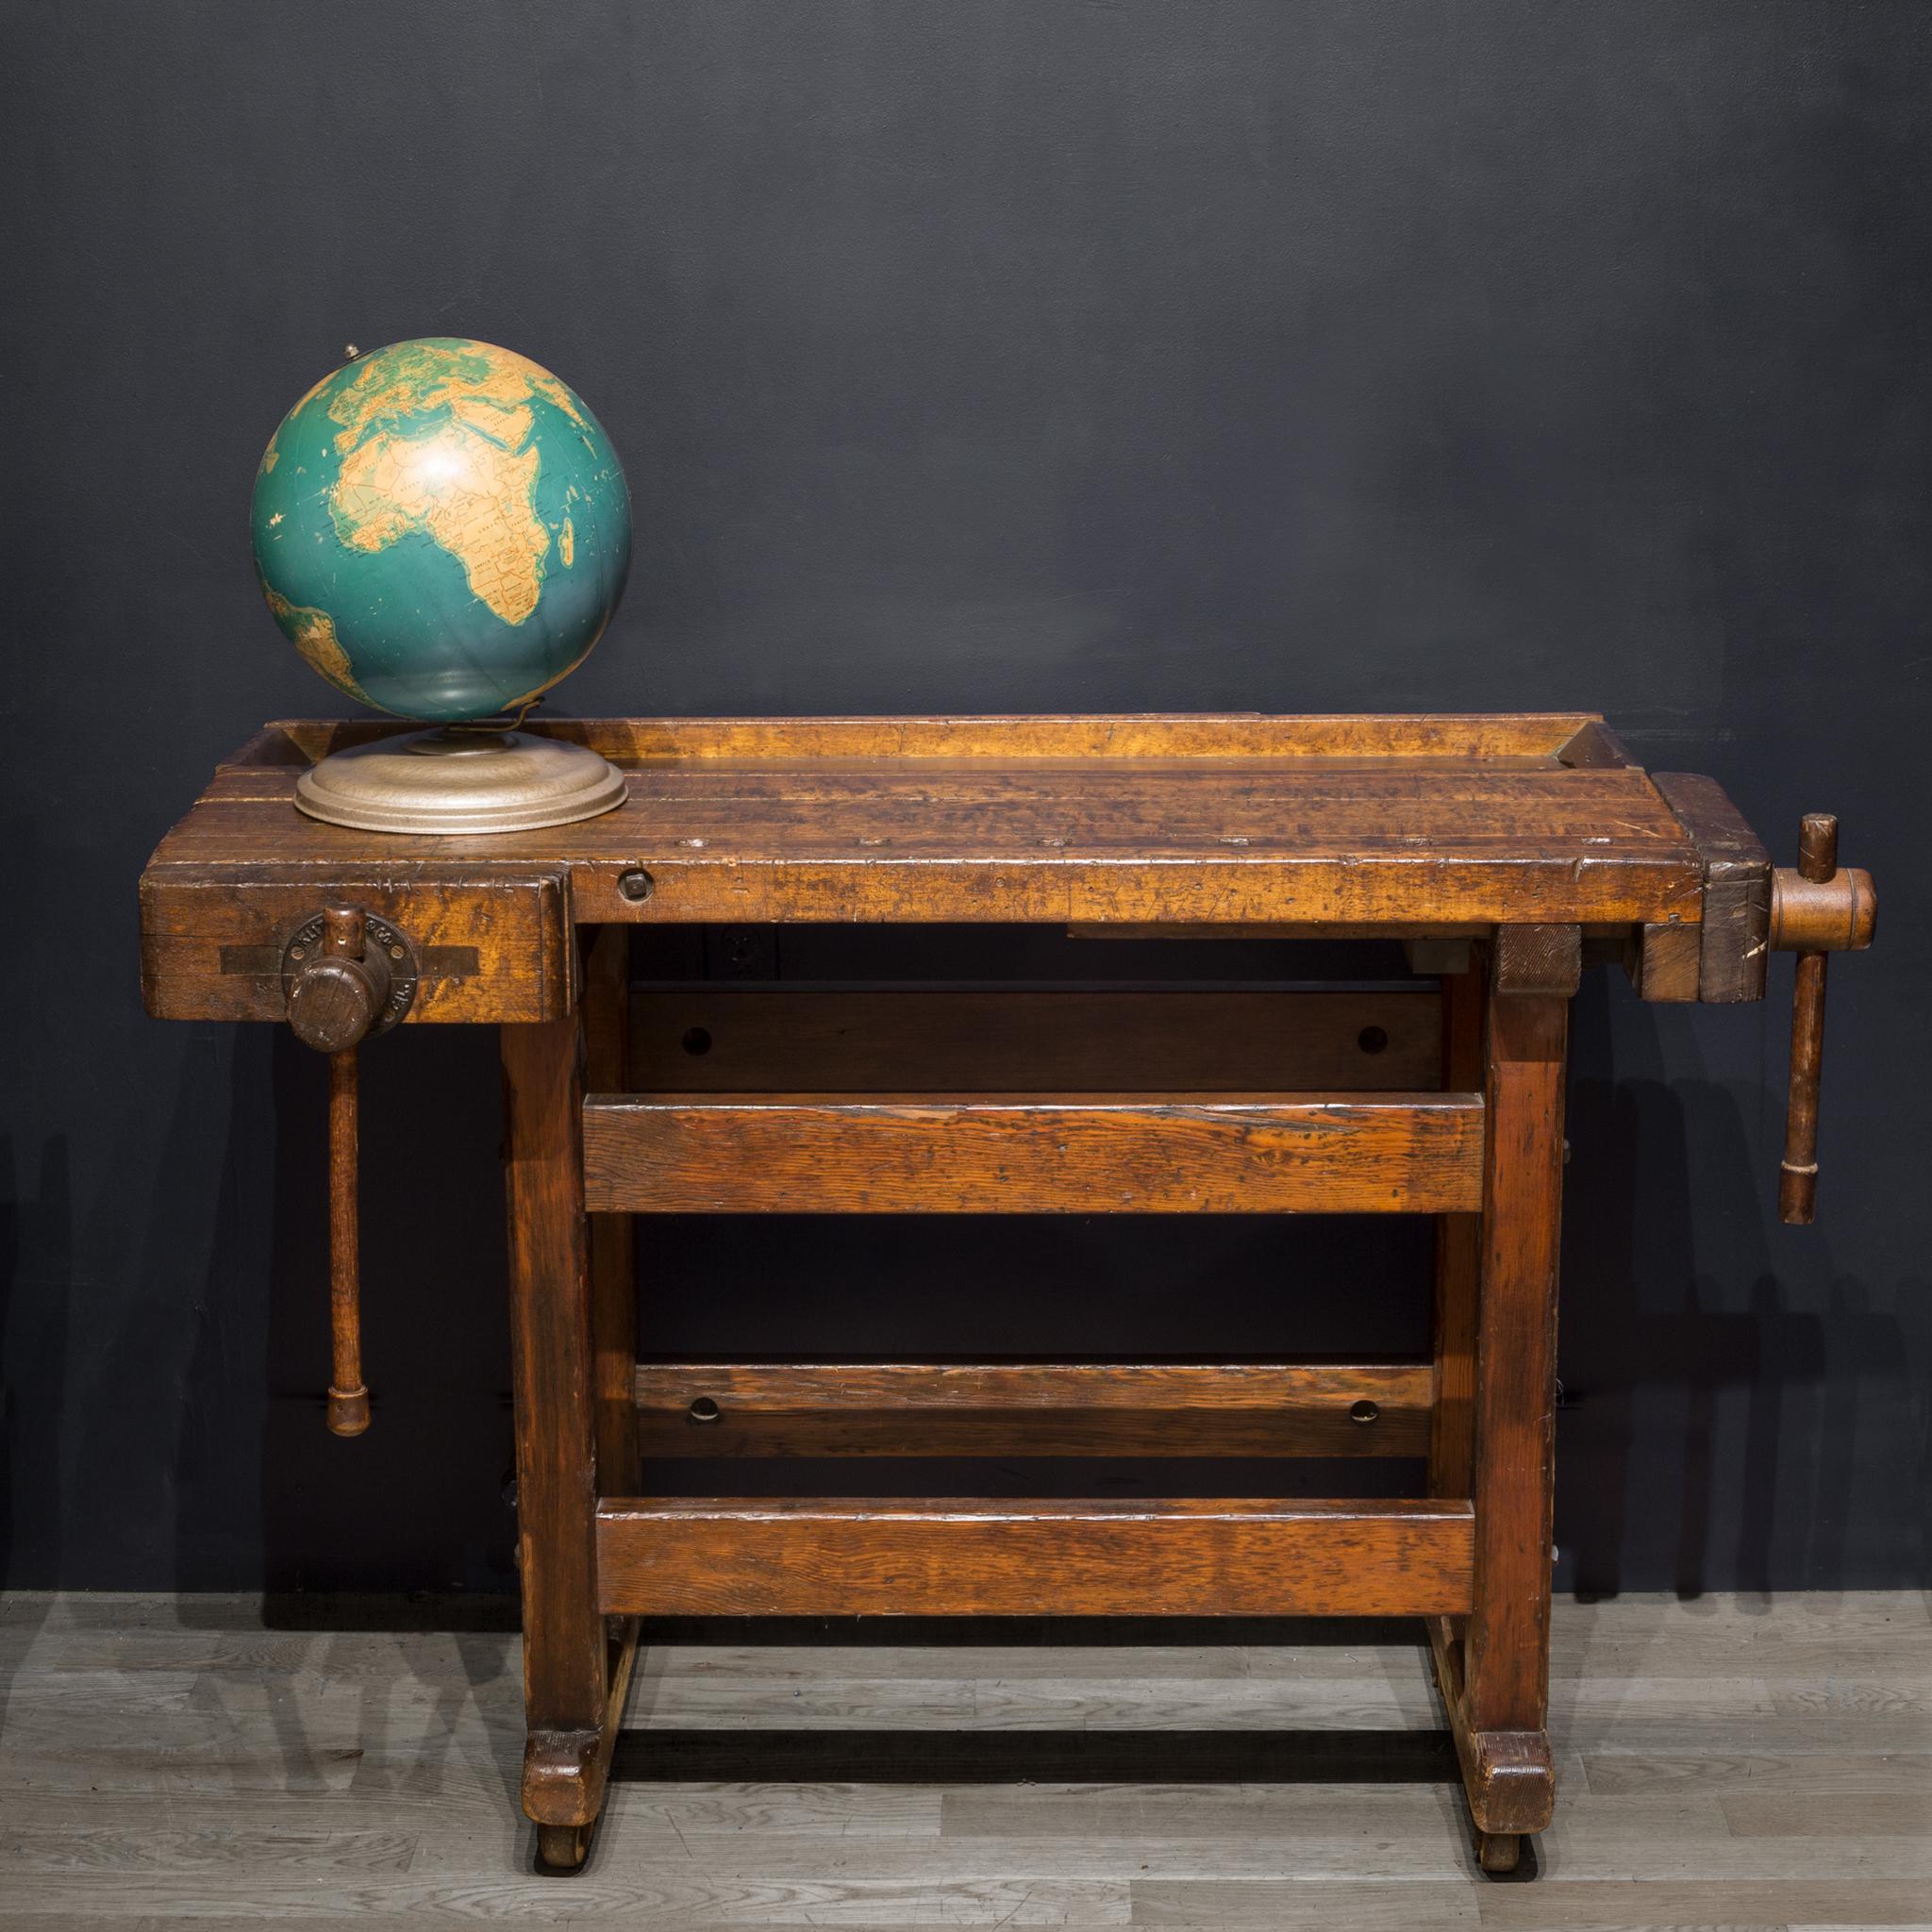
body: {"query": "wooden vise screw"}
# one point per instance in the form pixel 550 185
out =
pixel 345 976
pixel 1816 909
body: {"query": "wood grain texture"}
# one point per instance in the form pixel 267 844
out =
pixel 612 1259
pixel 1870 1814
pixel 1421 821
pixel 1042 1408
pixel 1516 832
pixel 798 1154
pixel 1294 929
pixel 495 939
pixel 1595 746
pixel 1502 1668
pixel 1797 1181
pixel 1667 963
pixel 1159 841
pixel 339 995
pixel 1537 958
pixel 566 1670
pixel 1838 913
pixel 1508 1777
pixel 715 1038
pixel 1736 887
pixel 813 1557
pixel 348 1398
pixel 1458 1257
pixel 356 1777
pixel 1541 739
pixel 1537 738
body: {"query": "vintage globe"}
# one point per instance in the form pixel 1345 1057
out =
pixel 442 529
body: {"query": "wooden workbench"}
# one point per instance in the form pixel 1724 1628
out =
pixel 1507 849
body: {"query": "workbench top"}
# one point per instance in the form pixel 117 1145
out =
pixel 1407 824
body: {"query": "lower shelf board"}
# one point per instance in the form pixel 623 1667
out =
pixel 1171 1557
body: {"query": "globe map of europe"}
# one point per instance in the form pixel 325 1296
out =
pixel 442 529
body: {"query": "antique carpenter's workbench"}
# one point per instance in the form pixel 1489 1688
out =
pixel 1510 851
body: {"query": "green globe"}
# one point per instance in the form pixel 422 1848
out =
pixel 442 529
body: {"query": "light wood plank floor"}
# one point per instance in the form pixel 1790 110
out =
pixel 1722 1762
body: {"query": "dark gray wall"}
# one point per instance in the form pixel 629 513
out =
pixel 983 357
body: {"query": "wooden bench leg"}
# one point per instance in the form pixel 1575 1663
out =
pixel 613 1277
pixel 575 1677
pixel 1458 1264
pixel 1495 1673
pixel 613 1302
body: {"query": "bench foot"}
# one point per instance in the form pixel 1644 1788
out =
pixel 561 1847
pixel 1508 1777
pixel 1498 1852
pixel 565 1771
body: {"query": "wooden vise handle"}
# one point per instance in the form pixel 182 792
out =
pixel 1816 909
pixel 344 941
pixel 346 974
pixel 348 1399
pixel 335 995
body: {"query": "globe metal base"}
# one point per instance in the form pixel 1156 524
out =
pixel 456 780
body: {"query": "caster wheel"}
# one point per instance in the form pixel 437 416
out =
pixel 561 1847
pixel 1498 1852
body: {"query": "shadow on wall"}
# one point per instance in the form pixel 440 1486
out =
pixel 1728 1396
pixel 418 1501
pixel 1724 1390
pixel 37 1241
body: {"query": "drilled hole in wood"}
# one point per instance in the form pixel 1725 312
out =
pixel 697 1040
pixel 704 1410
pixel 1365 1412
pixel 1372 1040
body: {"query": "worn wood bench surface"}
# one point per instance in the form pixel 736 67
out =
pixel 1507 849
pixel 1233 820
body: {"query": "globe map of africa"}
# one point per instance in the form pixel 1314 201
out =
pixel 442 529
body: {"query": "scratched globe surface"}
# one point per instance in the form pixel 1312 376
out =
pixel 442 529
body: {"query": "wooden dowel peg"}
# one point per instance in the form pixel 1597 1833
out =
pixel 348 1400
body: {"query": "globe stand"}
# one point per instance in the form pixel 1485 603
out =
pixel 457 779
